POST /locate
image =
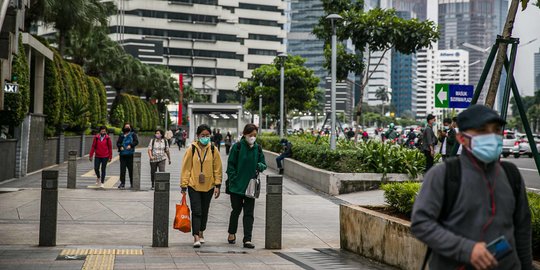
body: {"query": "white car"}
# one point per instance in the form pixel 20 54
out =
pixel 523 148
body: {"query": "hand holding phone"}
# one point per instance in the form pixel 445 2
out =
pixel 500 248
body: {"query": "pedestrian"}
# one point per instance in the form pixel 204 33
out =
pixel 245 161
pixel 350 134
pixel 168 136
pixel 228 142
pixel 492 202
pixel 429 141
pixel 158 152
pixel 102 148
pixel 201 178
pixel 178 138
pixel 126 144
pixel 218 137
pixel 451 138
pixel 286 152
pixel 184 138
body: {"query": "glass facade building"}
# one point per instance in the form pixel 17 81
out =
pixel 537 71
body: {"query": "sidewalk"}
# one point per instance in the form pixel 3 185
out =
pixel 119 220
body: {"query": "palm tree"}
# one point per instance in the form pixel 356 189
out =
pixel 382 95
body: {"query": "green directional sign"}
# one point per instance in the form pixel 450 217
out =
pixel 442 95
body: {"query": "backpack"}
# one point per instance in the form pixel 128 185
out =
pixel 152 142
pixel 452 183
pixel 238 146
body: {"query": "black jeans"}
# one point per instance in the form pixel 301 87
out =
pixel 154 167
pixel 239 202
pixel 126 161
pixel 227 149
pixel 429 160
pixel 100 162
pixel 279 160
pixel 200 204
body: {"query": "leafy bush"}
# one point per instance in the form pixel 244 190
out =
pixel 401 196
pixel 139 113
pixel 52 98
pixel 534 203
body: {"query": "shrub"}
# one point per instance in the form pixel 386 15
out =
pixel 401 196
pixel 141 114
pixel 534 203
pixel 52 98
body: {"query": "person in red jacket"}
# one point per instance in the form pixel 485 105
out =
pixel 102 148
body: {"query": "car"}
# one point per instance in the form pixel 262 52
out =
pixel 509 141
pixel 522 146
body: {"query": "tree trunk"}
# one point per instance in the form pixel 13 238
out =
pixel 62 43
pixel 501 54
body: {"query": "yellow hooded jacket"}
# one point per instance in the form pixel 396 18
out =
pixel 211 167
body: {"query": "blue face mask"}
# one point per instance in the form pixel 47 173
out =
pixel 204 140
pixel 486 148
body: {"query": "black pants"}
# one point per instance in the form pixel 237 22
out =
pixel 280 159
pixel 200 204
pixel 218 145
pixel 126 161
pixel 239 202
pixel 429 160
pixel 100 162
pixel 227 149
pixel 154 167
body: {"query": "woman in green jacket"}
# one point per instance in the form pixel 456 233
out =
pixel 245 160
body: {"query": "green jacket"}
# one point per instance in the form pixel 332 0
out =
pixel 242 166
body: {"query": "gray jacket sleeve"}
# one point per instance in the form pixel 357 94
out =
pixel 424 224
pixel 522 229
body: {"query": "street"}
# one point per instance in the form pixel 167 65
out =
pixel 528 171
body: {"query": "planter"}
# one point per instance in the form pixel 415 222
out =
pixel 380 237
pixel 331 182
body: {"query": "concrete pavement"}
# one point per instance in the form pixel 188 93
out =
pixel 118 220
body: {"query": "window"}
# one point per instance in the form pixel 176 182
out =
pixel 264 37
pixel 258 7
pixel 258 22
pixel 254 66
pixel 262 52
pixel 203 2
pixel 177 34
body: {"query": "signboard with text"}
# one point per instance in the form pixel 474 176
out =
pixel 11 88
pixel 453 95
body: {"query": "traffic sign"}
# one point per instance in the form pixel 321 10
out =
pixel 453 95
pixel 11 88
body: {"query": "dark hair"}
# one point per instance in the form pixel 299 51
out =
pixel 126 123
pixel 249 128
pixel 202 128
pixel 160 132
pixel 102 128
pixel 430 116
pixel 454 119
pixel 447 121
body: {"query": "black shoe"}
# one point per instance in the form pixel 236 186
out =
pixel 121 186
pixel 281 171
pixel 232 241
pixel 248 244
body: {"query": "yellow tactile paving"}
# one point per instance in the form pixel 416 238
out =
pixel 99 262
pixel 129 252
pixel 101 252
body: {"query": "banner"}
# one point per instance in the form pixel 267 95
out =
pixel 181 86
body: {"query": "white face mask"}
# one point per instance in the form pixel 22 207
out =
pixel 251 140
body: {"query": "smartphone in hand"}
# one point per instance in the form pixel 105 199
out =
pixel 500 248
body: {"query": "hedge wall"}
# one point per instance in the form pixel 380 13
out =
pixel 16 104
pixel 139 113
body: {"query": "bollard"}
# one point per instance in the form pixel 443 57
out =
pixel 160 232
pixel 49 208
pixel 137 171
pixel 61 145
pixel 72 170
pixel 272 233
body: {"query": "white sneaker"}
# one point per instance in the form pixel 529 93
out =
pixel 201 240
pixel 102 185
pixel 98 182
pixel 197 244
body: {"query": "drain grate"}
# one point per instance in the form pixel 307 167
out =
pixel 331 259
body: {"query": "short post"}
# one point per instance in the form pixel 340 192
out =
pixel 72 170
pixel 49 208
pixel 61 145
pixel 160 232
pixel 137 171
pixel 83 145
pixel 274 204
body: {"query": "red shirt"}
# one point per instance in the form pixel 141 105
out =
pixel 102 148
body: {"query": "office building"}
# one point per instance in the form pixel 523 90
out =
pixel 452 66
pixel 426 79
pixel 344 98
pixel 537 71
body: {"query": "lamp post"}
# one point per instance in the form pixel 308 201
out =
pixel 333 20
pixel 260 110
pixel 282 57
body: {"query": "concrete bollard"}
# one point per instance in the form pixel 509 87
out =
pixel 137 171
pixel 61 145
pixel 72 170
pixel 49 208
pixel 274 204
pixel 160 232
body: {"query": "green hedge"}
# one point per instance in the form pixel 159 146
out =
pixel 139 113
pixel 369 157
pixel 16 104
pixel 401 196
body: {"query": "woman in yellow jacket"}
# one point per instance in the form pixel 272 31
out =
pixel 201 178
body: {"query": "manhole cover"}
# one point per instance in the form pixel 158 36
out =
pixel 71 258
pixel 331 259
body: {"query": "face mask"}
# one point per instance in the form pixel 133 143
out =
pixel 487 148
pixel 446 128
pixel 204 140
pixel 158 136
pixel 251 140
pixel 126 130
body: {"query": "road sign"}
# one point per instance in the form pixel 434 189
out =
pixel 11 88
pixel 453 95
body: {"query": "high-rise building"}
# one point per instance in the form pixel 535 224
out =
pixel 417 7
pixel 215 44
pixel 537 71
pixel 477 22
pixel 452 66
pixel 427 77
pixel 344 98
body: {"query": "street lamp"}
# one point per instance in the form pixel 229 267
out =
pixel 260 109
pixel 333 18
pixel 282 57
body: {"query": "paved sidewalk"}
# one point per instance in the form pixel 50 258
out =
pixel 114 219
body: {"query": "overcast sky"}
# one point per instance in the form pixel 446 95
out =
pixel 526 28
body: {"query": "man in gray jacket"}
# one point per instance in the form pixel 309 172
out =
pixel 429 141
pixel 485 207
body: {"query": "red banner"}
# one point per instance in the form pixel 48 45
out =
pixel 181 84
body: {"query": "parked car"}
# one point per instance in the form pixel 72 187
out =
pixel 523 148
pixel 509 141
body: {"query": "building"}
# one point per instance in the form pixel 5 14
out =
pixel 215 44
pixel 426 78
pixel 452 66
pixel 344 98
pixel 416 7
pixel 537 71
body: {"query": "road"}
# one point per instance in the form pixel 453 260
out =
pixel 528 171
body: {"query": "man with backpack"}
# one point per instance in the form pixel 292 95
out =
pixel 475 199
pixel 102 148
pixel 126 146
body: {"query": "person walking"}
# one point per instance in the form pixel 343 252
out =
pixel 475 199
pixel 102 148
pixel 245 161
pixel 158 152
pixel 168 136
pixel 228 142
pixel 201 178
pixel 451 138
pixel 126 144
pixel 429 141
pixel 218 137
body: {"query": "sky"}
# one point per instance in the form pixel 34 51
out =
pixel 526 28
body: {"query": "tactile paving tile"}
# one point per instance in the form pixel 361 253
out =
pixel 99 262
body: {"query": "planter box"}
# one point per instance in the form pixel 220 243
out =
pixel 380 237
pixel 331 182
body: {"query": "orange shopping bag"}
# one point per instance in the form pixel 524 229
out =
pixel 182 219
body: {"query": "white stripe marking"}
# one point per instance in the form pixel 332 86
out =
pixel 526 169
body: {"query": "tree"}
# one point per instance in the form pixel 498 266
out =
pixel 383 95
pixel 377 30
pixel 300 87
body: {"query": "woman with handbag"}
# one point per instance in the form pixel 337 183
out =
pixel 201 178
pixel 245 161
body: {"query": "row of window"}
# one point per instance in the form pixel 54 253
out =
pixel 173 15
pixel 190 2
pixel 207 71
pixel 205 53
pixel 262 52
pixel 259 22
